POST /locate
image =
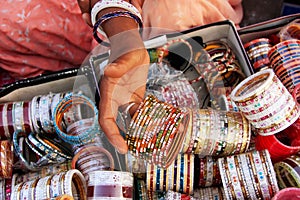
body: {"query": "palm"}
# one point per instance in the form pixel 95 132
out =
pixel 123 82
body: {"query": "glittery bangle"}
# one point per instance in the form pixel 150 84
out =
pixel 227 185
pixel 245 177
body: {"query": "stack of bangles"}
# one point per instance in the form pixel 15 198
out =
pixel 130 12
pixel 5 188
pixel 206 172
pixel 14 116
pixel 41 113
pixel 287 172
pixel 248 176
pixel 223 69
pixel 290 31
pixel 31 116
pixel 209 193
pixel 6 159
pixel 82 131
pixel 70 183
pixel 171 195
pixel 178 177
pixel 285 61
pixel 43 172
pixel 156 132
pixel 257 51
pixel 216 133
pixel 265 102
pixel 92 158
pixel 180 93
pixel 110 185
pixel 35 151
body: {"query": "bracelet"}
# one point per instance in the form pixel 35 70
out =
pixel 111 15
pixel 110 184
pixel 75 177
pixel 65 105
pixel 42 190
pixel 6 159
pixel 102 4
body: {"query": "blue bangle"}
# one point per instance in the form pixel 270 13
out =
pixel 24 163
pixel 85 136
pixel 110 16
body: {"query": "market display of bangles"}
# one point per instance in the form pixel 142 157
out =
pixel 244 144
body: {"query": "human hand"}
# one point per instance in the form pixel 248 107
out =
pixel 86 7
pixel 122 83
pixel 124 79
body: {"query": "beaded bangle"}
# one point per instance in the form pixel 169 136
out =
pixel 42 190
pixel 242 166
pixel 269 171
pixel 19 152
pixel 111 15
pixel 50 152
pixel 227 185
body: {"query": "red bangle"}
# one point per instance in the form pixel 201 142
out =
pixel 277 149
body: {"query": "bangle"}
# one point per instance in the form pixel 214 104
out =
pixel 111 15
pixel 64 106
pixel 113 184
pixel 258 84
pixel 102 4
pixel 42 190
pixel 88 151
pixel 75 177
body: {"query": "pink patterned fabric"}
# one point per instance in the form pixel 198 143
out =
pixel 38 36
pixel 50 35
pixel 177 15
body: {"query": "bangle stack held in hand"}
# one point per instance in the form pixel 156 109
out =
pixel 155 132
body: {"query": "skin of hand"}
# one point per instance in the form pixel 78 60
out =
pixel 124 78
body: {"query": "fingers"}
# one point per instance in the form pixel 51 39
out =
pixel 112 133
pixel 108 109
pixel 87 18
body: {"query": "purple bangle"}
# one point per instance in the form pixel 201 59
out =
pixel 110 16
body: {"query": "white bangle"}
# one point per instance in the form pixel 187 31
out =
pixel 102 4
